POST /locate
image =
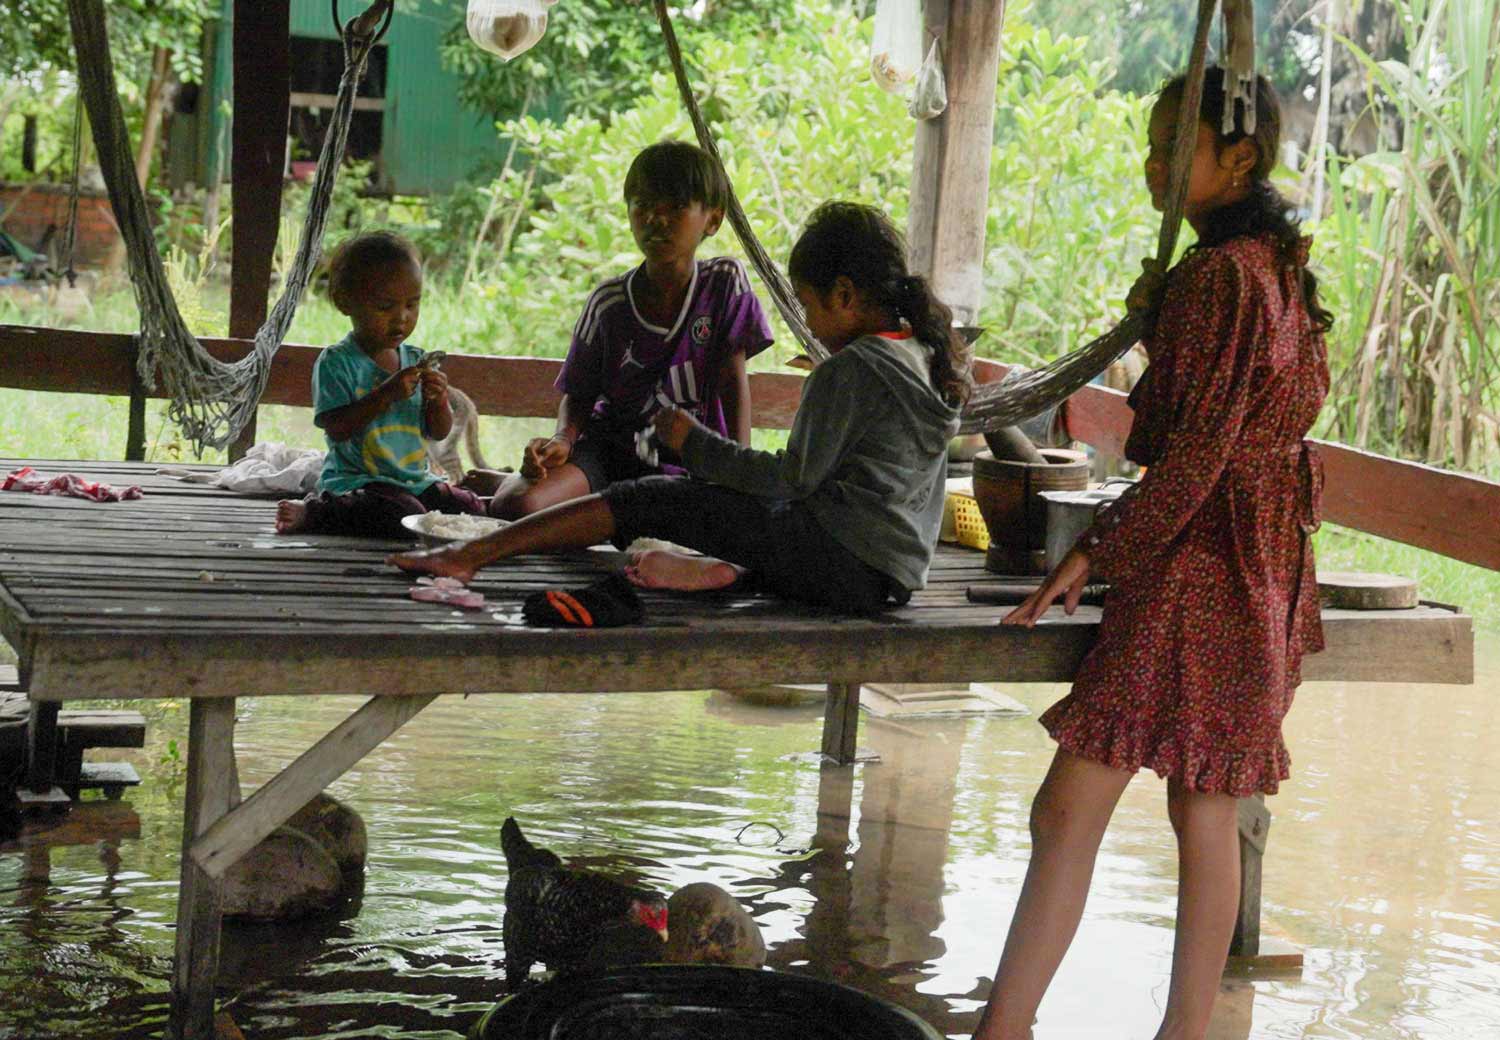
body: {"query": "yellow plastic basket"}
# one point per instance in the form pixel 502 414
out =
pixel 967 526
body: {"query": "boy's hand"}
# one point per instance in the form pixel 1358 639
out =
pixel 543 454
pixel 673 425
pixel 434 384
pixel 403 383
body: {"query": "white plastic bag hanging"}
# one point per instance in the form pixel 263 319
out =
pixel 896 50
pixel 929 96
pixel 507 27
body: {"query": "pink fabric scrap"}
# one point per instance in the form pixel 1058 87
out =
pixel 449 591
pixel 70 485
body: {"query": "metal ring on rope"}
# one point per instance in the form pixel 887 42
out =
pixel 339 27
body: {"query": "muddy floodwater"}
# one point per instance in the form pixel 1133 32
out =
pixel 898 877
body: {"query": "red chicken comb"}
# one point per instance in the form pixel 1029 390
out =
pixel 653 917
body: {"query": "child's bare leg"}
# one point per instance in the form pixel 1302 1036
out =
pixel 663 569
pixel 291 515
pixel 576 524
pixel 1208 893
pixel 1068 819
pixel 518 496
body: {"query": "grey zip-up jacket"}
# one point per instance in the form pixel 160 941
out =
pixel 868 453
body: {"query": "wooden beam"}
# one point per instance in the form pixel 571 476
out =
pixel 1424 645
pixel 199 898
pixel 262 89
pixel 239 830
pixel 1448 513
pixel 841 723
pixel 72 361
pixel 1432 509
pixel 951 161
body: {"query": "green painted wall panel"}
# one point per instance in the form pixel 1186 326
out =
pixel 429 141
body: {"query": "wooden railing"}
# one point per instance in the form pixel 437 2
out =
pixel 1454 514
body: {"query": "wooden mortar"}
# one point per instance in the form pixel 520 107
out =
pixel 1009 498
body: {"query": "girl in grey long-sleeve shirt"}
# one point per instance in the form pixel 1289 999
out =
pixel 847 516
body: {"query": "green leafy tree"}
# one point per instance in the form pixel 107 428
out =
pixel 600 55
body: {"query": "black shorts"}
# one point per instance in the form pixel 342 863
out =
pixel 606 460
pixel 784 549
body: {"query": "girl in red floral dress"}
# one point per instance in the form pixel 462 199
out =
pixel 1213 598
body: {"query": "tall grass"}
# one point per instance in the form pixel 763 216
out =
pixel 1412 242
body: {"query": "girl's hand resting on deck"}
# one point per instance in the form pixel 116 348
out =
pixel 543 454
pixel 1067 581
pixel 673 426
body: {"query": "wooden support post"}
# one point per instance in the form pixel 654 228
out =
pixel 210 770
pixel 41 746
pixel 1254 826
pixel 135 431
pixel 951 162
pixel 238 831
pixel 262 104
pixel 841 723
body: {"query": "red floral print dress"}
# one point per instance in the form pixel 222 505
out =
pixel 1213 596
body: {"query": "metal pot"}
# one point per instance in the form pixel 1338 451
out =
pixel 1070 513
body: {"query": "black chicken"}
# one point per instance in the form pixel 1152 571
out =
pixel 556 914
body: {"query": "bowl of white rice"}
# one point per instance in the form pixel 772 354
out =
pixel 441 528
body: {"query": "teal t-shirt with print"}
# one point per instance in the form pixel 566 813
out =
pixel 390 449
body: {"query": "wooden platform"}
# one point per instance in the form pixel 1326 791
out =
pixel 189 592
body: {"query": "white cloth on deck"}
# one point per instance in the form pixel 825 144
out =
pixel 272 468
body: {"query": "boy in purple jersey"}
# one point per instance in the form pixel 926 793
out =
pixel 674 331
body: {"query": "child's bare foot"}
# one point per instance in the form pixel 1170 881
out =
pixel 291 516
pixel 448 562
pixel 660 569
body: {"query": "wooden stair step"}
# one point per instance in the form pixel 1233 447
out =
pixel 112 777
pixel 86 729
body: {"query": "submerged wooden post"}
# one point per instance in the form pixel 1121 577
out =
pixel 841 722
pixel 262 106
pixel 1254 826
pixel 211 778
pixel 951 156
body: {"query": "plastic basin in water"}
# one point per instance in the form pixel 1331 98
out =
pixel 688 1002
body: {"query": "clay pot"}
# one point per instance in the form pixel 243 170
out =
pixel 1009 498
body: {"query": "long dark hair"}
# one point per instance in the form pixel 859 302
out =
pixel 859 243
pixel 1264 210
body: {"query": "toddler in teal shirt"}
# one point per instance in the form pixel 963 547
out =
pixel 375 400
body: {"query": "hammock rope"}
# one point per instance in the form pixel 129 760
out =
pixel 1023 394
pixel 211 400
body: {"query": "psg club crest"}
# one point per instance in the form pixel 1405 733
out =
pixel 702 329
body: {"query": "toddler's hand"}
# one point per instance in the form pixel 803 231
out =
pixel 404 383
pixel 434 385
pixel 543 454
pixel 673 426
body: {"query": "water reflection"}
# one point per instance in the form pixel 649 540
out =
pixel 896 876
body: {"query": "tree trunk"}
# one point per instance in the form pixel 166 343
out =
pixel 28 144
pixel 156 94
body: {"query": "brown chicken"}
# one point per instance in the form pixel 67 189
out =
pixel 555 914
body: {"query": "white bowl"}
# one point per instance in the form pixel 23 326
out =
pixel 442 528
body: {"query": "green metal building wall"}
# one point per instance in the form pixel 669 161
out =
pixel 429 141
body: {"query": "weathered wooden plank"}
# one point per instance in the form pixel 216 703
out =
pixel 223 659
pixel 72 361
pixel 1442 511
pixel 841 723
pixel 210 772
pixel 238 831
